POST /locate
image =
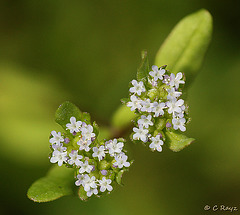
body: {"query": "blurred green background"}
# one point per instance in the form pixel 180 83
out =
pixel 87 52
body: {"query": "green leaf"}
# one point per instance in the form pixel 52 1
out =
pixel 119 177
pixel 177 141
pixel 82 194
pixel 58 182
pixel 143 70
pixel 95 128
pixel 65 112
pixel 86 118
pixel 185 47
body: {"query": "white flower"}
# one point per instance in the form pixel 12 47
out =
pixel 114 147
pixel 89 183
pixel 84 144
pixel 85 167
pixel 138 87
pixel 105 184
pixel 57 138
pixel 59 157
pixel 74 126
pixel 166 79
pixel 92 191
pixel 99 152
pixel 80 179
pixel 145 121
pixel 75 158
pixel 178 115
pixel 153 83
pixel 179 123
pixel 121 161
pixel 87 132
pixel 172 93
pixel 84 125
pixel 146 105
pixel 59 147
pixel 135 103
pixel 181 114
pixel 158 108
pixel 157 73
pixel 140 133
pixel 175 106
pixel 104 172
pixel 156 143
pixel 175 81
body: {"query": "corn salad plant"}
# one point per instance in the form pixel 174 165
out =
pixel 87 165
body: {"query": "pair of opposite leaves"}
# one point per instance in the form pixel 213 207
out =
pixel 183 50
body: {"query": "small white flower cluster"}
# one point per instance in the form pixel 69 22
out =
pixel 97 164
pixel 157 103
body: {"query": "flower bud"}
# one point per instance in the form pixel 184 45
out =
pixel 152 94
pixel 160 124
pixel 168 125
pixel 103 165
pixel 111 175
pixel 104 172
pixel 66 140
pixel 94 173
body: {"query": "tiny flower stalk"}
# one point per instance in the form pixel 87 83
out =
pixel 98 165
pixel 160 111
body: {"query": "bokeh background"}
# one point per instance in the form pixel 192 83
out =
pixel 87 52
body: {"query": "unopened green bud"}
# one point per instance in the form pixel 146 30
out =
pixel 104 165
pixel 92 162
pixel 94 173
pixel 160 124
pixel 152 94
pixel 111 175
pixel 162 92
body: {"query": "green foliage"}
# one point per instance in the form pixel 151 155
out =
pixel 95 128
pixel 143 70
pixel 177 141
pixel 119 177
pixel 59 180
pixel 185 47
pixel 86 118
pixel 82 194
pixel 57 183
pixel 66 111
